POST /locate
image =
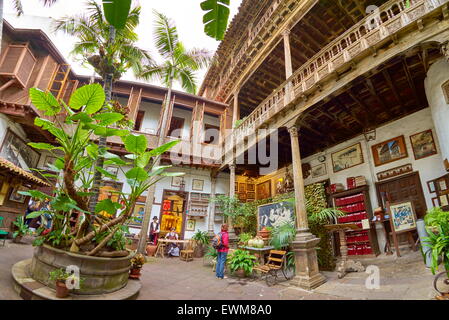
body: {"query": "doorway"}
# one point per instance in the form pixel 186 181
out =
pixel 407 187
pixel 173 212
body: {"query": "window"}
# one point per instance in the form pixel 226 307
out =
pixel 15 150
pixel 176 126
pixel 139 120
pixel 211 134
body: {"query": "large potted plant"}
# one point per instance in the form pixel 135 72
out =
pixel 201 241
pixel 242 214
pixel 99 237
pixel 438 242
pixel 241 263
pixel 22 229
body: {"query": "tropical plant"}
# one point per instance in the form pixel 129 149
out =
pixel 110 50
pixel 138 261
pixel 201 237
pixel 242 260
pixel 22 228
pixel 435 217
pixel 242 214
pixel 211 252
pixel 325 215
pixel 216 17
pixel 179 65
pixel 283 235
pixel 438 240
pixel 75 134
pixel 245 237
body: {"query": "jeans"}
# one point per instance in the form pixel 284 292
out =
pixel 221 261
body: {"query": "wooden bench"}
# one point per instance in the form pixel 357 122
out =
pixel 276 261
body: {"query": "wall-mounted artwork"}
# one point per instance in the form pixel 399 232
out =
pixel 250 187
pixel 16 196
pixel 347 158
pixel 197 184
pixel 423 144
pixel 263 190
pixel 190 225
pixel 394 172
pixel 319 170
pixel 176 181
pixel 137 216
pixel 389 151
pixel 275 214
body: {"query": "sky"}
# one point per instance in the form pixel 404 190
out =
pixel 186 14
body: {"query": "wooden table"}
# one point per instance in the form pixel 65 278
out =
pixel 384 223
pixel 161 248
pixel 345 264
pixel 259 252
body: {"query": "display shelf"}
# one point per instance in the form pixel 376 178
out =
pixel 361 242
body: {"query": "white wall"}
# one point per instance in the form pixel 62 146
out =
pixel 436 76
pixel 151 117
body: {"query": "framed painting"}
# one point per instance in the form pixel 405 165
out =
pixel 137 216
pixel 435 202
pixel 402 216
pixel 242 196
pixel 250 187
pixel 197 184
pixel 263 190
pixel 431 186
pixel 347 158
pixel 423 144
pixel 16 196
pixel 319 170
pixel 251 195
pixel 176 181
pixel 190 225
pixel 275 214
pixel 242 187
pixel 389 151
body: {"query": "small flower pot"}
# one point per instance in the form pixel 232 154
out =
pixel 151 250
pixel 61 289
pixel 134 273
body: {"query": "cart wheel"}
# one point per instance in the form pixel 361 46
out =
pixel 441 283
pixel 271 278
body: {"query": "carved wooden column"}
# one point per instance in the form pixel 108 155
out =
pixel 304 245
pixel 235 110
pixel 213 184
pixel 288 64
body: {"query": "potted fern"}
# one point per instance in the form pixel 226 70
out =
pixel 241 263
pixel 201 241
pixel 21 229
pixel 438 241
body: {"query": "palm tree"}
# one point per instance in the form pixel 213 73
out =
pixel 179 65
pixel 110 51
pixel 19 9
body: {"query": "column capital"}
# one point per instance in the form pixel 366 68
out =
pixel 293 130
pixel 232 166
pixel 286 32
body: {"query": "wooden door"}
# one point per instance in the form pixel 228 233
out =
pixel 404 188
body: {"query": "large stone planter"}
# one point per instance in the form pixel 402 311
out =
pixel 101 275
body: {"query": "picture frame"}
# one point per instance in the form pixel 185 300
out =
pixel 402 216
pixel 443 200
pixel 236 187
pixel 190 225
pixel 435 202
pixel 263 190
pixel 176 181
pixel 242 196
pixel 242 187
pixel 250 187
pixel 275 214
pixel 389 151
pixel 431 186
pixel 251 195
pixel 442 185
pixel 319 170
pixel 347 158
pixel 137 215
pixel 394 172
pixel 423 144
pixel 16 196
pixel 197 185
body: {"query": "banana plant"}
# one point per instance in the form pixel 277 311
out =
pixel 215 18
pixel 76 130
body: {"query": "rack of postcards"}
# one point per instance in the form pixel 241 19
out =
pixel 356 203
pixel 198 204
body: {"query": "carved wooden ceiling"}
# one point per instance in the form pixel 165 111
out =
pixel 326 21
pixel 388 93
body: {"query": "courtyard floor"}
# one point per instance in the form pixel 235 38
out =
pixel 172 279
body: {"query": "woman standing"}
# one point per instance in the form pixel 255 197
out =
pixel 222 251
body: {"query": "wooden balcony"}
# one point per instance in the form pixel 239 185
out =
pixel 362 39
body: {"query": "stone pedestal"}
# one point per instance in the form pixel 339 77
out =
pixel 307 273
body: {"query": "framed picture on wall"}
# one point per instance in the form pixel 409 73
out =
pixel 242 187
pixel 16 196
pixel 176 181
pixel 389 151
pixel 251 195
pixel 137 216
pixel 197 184
pixel 250 187
pixel 347 158
pixel 275 214
pixel 443 200
pixel 263 190
pixel 423 144
pixel 319 170
pixel 431 186
pixel 435 202
pixel 190 225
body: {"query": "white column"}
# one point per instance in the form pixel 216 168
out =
pixel 213 184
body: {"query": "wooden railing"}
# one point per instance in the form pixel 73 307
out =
pixel 381 24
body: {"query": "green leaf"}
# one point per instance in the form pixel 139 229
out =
pixel 108 206
pixel 59 163
pixel 115 161
pixel 106 173
pixel 45 101
pixel 92 151
pixel 35 214
pixel 135 143
pixel 116 12
pixel 63 203
pixel 138 174
pixel 143 159
pixel 34 194
pixel 160 150
pixel 42 146
pixel 91 97
pixel 106 119
pixel 82 117
pixel 216 17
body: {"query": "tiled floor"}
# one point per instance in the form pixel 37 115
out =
pixel 172 279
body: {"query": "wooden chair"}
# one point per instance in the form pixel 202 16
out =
pixel 276 261
pixel 160 249
pixel 187 253
pixel 3 231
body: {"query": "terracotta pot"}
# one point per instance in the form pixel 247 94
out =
pixel 61 289
pixel 134 273
pixel 198 252
pixel 151 250
pixel 240 273
pixel 264 234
